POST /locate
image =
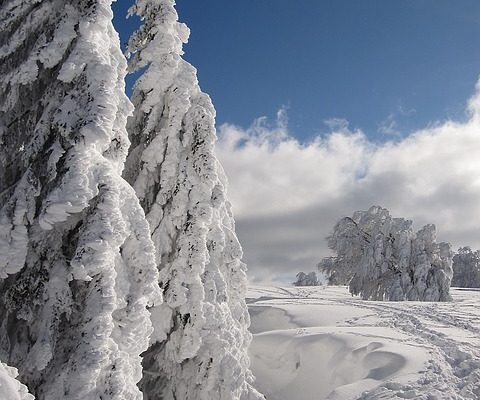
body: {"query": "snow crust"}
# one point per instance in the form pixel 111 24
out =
pixel 320 343
pixel 199 346
pixel 77 264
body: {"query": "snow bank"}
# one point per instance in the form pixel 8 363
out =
pixel 317 363
pixel 296 355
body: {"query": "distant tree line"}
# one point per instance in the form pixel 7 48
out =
pixel 466 268
pixel 304 279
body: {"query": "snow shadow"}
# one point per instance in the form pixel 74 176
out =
pixel 298 364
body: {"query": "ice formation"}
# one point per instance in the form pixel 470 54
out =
pixel 77 264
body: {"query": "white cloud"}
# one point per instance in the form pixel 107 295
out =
pixel 287 195
pixel 271 172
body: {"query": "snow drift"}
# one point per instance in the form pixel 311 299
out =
pixel 321 343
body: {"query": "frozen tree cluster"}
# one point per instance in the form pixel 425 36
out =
pixel 466 268
pixel 304 279
pixel 382 258
pixel 111 277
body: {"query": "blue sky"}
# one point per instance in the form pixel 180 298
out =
pixel 401 64
pixel 389 67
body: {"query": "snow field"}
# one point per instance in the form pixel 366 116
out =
pixel 321 343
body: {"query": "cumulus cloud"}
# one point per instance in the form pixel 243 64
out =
pixel 288 195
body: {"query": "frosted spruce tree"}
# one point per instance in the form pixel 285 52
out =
pixel 466 268
pixel 77 265
pixel 199 347
pixel 385 260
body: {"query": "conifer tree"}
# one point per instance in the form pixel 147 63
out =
pixel 199 347
pixel 77 264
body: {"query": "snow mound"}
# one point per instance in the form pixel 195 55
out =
pixel 318 363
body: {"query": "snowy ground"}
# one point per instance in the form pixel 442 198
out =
pixel 320 343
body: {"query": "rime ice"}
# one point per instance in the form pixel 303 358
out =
pixel 77 265
pixel 199 347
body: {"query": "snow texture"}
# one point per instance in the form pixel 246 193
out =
pixel 10 388
pixel 77 264
pixel 304 279
pixel 383 259
pixel 312 343
pixel 199 347
pixel 466 268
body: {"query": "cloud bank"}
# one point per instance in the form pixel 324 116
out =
pixel 287 195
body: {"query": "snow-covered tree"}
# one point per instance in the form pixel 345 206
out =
pixel 430 269
pixel 347 243
pixel 383 259
pixel 77 264
pixel 333 270
pixel 466 268
pixel 304 279
pixel 199 347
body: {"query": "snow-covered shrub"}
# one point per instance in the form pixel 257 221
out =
pixel 77 264
pixel 383 259
pixel 199 347
pixel 466 268
pixel 304 279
